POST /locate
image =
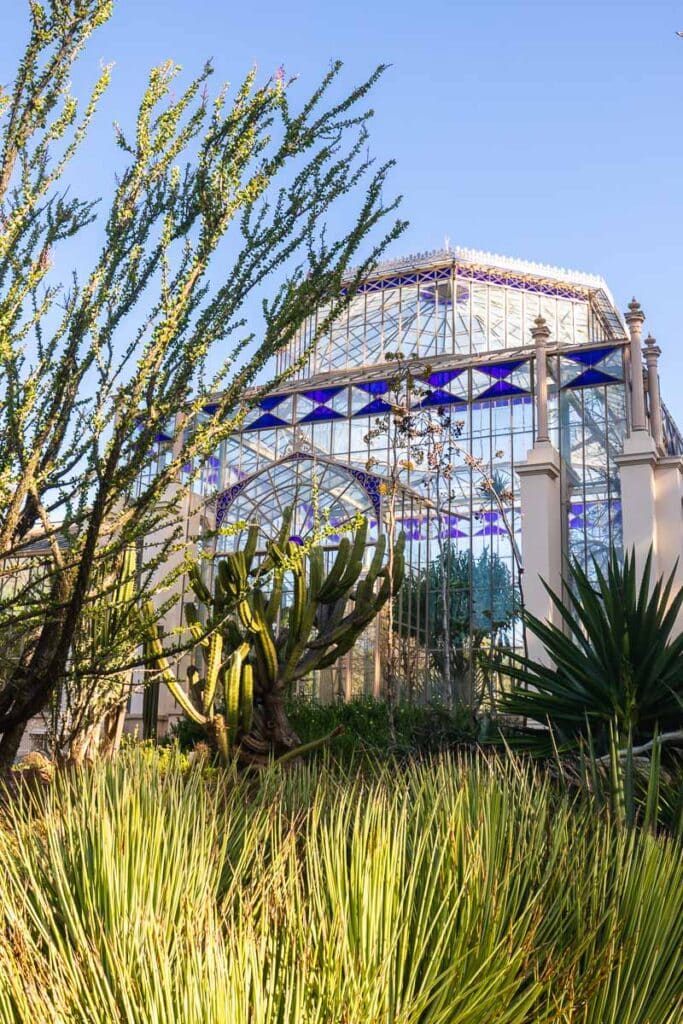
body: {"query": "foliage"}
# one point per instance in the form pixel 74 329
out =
pixel 255 645
pixel 418 729
pixel 479 600
pixel 461 890
pixel 105 378
pixel 643 791
pixel 618 661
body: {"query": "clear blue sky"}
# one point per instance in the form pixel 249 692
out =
pixel 546 130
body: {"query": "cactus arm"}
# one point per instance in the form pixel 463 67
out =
pixel 213 669
pixel 232 678
pixel 273 606
pixel 194 624
pixel 247 698
pixel 328 590
pixel 298 608
pixel 198 585
pixel 316 571
pixel 299 647
pixel 160 663
pixel 250 546
pixel 355 563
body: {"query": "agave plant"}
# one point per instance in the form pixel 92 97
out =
pixel 616 659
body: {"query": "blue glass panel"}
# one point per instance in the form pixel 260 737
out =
pixel 374 387
pixel 270 401
pixel 500 389
pixel 589 377
pixel 432 298
pixel 265 421
pixel 374 408
pixel 441 377
pixel 319 414
pixel 501 370
pixel 322 394
pixel 441 398
pixel 210 408
pixel 162 437
pixel 590 357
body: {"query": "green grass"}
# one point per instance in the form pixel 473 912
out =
pixel 457 891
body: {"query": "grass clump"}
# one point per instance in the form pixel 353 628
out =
pixel 457 890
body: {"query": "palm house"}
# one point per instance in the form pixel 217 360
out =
pixel 503 415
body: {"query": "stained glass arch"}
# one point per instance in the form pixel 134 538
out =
pixel 322 493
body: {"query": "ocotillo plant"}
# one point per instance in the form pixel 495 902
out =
pixel 260 648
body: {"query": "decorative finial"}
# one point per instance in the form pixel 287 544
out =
pixel 635 312
pixel 652 349
pixel 540 332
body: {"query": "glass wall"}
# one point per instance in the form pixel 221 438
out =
pixel 457 309
pixel 433 453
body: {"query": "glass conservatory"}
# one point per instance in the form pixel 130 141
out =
pixel 415 410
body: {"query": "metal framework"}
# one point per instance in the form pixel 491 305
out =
pixel 460 321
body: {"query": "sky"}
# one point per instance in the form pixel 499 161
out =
pixel 549 131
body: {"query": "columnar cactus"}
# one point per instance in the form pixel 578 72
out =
pixel 257 648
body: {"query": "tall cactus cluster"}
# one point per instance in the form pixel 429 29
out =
pixel 254 646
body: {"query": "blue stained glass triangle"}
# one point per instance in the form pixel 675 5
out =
pixel 374 408
pixel 322 394
pixel 320 413
pixel 441 377
pixel 270 401
pixel 591 356
pixel 161 437
pixel 501 370
pixel 374 387
pixel 265 421
pixel 442 398
pixel 491 531
pixel 591 376
pixel 210 408
pixel 501 389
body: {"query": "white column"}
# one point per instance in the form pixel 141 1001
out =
pixel 540 332
pixel 638 459
pixel 652 354
pixel 669 508
pixel 541 509
pixel 635 319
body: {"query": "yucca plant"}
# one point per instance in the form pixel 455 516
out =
pixel 615 659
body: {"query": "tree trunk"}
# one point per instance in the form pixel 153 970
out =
pixel 9 745
pixel 276 728
pixel 112 730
